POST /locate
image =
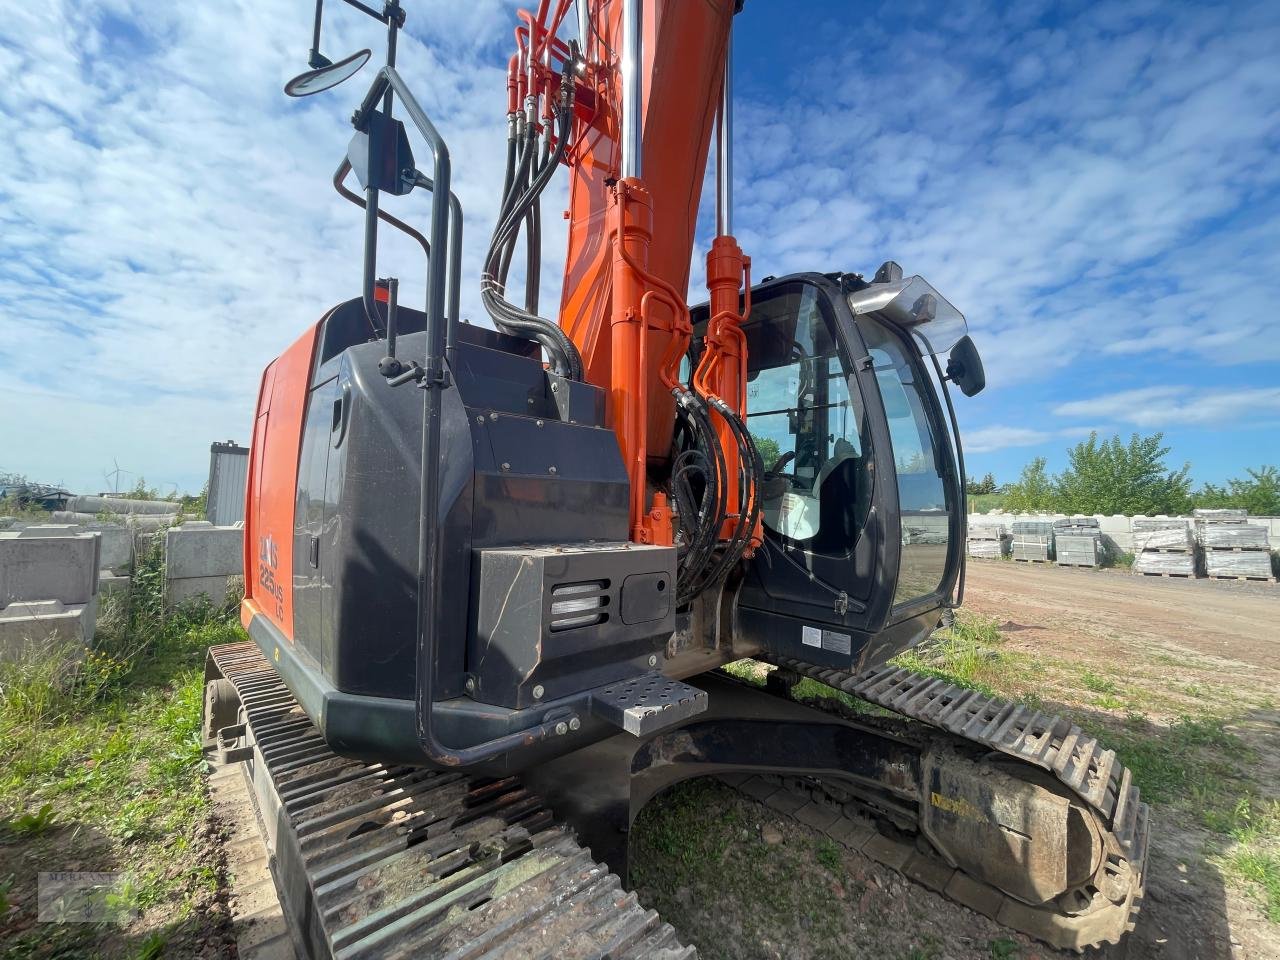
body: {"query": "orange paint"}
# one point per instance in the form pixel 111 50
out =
pixel 273 484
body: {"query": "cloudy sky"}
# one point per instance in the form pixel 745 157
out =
pixel 1095 185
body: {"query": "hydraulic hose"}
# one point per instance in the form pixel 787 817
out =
pixel 530 179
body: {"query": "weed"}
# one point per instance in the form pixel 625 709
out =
pixel 965 655
pixel 829 855
pixel 1098 684
pixel 752 671
pixel 29 825
pixel 114 747
pixel 1254 857
pixel 1002 949
pixel 6 884
pixel 152 947
pixel 1108 702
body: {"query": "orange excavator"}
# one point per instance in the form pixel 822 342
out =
pixel 492 569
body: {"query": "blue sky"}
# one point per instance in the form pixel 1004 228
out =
pixel 1095 186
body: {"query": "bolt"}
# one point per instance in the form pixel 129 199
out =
pixel 561 728
pixel 493 416
pixel 471 684
pixel 555 388
pixel 552 469
pixel 653 660
pixel 506 466
pixel 538 692
pixel 575 723
pixel 480 420
pixel 538 422
pixel 531 401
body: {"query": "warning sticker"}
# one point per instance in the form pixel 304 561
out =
pixel 836 642
pixel 811 636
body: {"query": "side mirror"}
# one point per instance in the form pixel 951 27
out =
pixel 329 75
pixel 964 367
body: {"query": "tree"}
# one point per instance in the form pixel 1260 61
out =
pixel 979 487
pixel 1259 493
pixel 1033 491
pixel 769 449
pixel 1110 476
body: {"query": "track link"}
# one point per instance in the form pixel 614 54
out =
pixel 375 860
pixel 1087 916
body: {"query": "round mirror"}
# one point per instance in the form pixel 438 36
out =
pixel 314 81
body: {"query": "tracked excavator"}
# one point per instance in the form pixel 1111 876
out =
pixel 492 570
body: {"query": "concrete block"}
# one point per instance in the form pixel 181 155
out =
pixel 189 588
pixel 50 530
pixel 63 568
pixel 199 549
pixel 111 583
pixel 31 630
pixel 117 547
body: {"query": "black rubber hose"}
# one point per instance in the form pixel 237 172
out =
pixel 564 355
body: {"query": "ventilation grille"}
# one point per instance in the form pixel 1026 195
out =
pixel 580 604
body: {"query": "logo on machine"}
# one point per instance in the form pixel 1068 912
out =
pixel 268 558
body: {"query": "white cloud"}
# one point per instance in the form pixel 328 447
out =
pixel 1169 405
pixel 1064 187
pixel 168 220
pixel 168 225
pixel 989 439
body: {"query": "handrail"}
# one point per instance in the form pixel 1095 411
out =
pixel 433 384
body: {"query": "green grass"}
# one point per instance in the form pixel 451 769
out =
pixel 101 767
pixel 1254 857
pixel 968 655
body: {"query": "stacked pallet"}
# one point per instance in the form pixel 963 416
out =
pixel 1033 541
pixel 989 541
pixel 1163 548
pixel 1233 548
pixel 1078 542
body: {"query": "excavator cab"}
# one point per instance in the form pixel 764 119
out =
pixel 862 488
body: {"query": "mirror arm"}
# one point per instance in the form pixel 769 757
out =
pixel 315 59
pixel 377 15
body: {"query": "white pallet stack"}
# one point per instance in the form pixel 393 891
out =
pixel 1077 542
pixel 988 541
pixel 1164 547
pixel 1234 549
pixel 1033 541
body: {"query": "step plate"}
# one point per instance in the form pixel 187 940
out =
pixel 647 704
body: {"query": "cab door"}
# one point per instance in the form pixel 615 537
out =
pixel 859 516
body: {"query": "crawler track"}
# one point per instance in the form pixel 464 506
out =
pixel 374 860
pixel 1096 913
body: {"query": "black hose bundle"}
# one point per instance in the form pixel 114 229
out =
pixel 699 482
pixel 529 170
pixel 698 493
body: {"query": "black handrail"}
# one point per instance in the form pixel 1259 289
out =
pixel 440 339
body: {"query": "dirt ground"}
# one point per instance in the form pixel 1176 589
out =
pixel 1152 650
